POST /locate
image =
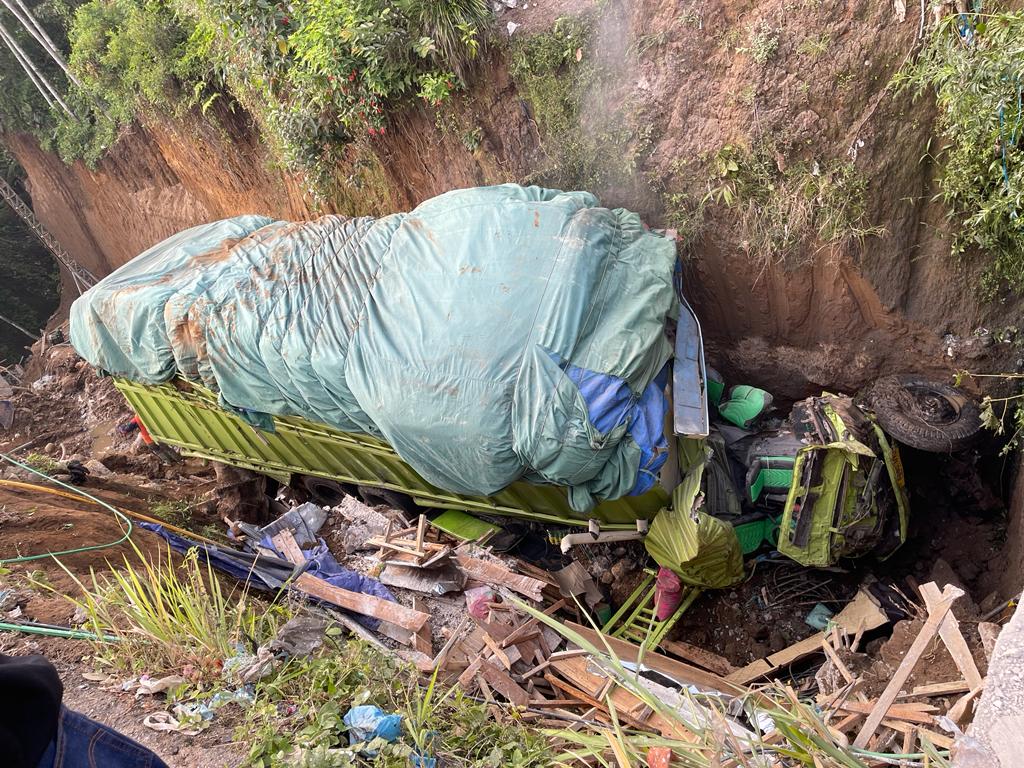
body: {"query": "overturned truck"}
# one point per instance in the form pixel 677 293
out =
pixel 510 352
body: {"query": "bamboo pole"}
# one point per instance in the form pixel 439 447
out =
pixel 15 325
pixel 28 71
pixel 28 66
pixel 34 28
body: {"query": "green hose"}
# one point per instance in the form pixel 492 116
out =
pixel 117 513
pixel 63 632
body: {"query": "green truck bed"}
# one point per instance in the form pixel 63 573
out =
pixel 188 417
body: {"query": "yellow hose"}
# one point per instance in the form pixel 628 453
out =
pixel 126 512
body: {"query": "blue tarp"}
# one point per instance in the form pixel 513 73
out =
pixel 261 573
pixel 489 335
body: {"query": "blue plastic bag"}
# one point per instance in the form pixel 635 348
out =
pixel 367 722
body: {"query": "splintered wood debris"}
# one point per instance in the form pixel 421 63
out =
pixel 510 658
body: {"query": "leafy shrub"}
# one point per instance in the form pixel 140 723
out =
pixel 315 74
pixel 975 67
pixel 589 142
pixel 318 74
pixel 781 208
pixel 763 43
pixel 127 54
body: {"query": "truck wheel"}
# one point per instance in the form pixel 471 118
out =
pixel 926 415
pixel 323 491
pixel 382 496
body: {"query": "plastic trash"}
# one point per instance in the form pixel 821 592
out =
pixel 476 601
pixel 367 722
pixel 819 617
pixel 300 636
pixel 304 521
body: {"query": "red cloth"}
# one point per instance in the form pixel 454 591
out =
pixel 146 437
pixel 668 593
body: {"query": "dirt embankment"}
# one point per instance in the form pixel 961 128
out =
pixel 694 79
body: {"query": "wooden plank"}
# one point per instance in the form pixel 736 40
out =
pixel 576 693
pixel 423 641
pixel 442 655
pixel 469 674
pixel 367 605
pixel 531 624
pixel 959 709
pixel 834 658
pixel 499 654
pixel 940 741
pixel 421 530
pixel 861 613
pixel 938 689
pixel 396 633
pixel 598 686
pixel 895 712
pixel 924 637
pixel 284 542
pixel 953 639
pixel 702 658
pixel 497 574
pixel 677 670
pixel 500 681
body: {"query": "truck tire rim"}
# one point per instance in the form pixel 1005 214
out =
pixel 931 407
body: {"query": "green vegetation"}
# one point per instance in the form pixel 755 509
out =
pixel 762 43
pixel 782 206
pixel 589 143
pixel 316 76
pixel 41 462
pixel 815 45
pixel 129 55
pixel 171 618
pixel 1002 413
pixel 976 73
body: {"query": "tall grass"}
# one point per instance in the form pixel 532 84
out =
pixel 706 730
pixel 172 616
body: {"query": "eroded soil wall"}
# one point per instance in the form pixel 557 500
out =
pixel 851 314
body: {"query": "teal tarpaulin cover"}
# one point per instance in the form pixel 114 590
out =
pixel 489 335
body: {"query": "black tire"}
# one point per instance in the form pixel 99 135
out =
pixel 322 490
pixel 926 415
pixel 374 497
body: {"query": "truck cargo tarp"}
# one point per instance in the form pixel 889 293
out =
pixel 491 334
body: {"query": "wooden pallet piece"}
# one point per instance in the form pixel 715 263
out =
pixel 493 574
pixel 677 670
pixel 892 690
pixel 500 681
pixel 284 542
pixel 952 638
pixel 698 656
pixel 423 641
pixel 367 605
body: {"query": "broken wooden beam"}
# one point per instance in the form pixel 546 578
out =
pixel 892 690
pixel 952 638
pixel 497 574
pixel 695 655
pixel 357 602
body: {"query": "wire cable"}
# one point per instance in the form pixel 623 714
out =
pixel 126 523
